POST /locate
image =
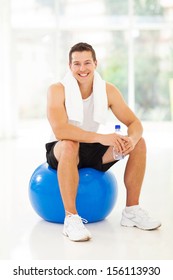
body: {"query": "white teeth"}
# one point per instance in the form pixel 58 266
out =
pixel 83 75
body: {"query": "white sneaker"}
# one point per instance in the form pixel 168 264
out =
pixel 75 229
pixel 139 218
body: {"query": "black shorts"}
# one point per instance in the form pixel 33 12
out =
pixel 90 155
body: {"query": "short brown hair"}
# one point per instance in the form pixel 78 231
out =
pixel 80 47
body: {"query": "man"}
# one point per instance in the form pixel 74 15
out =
pixel 78 145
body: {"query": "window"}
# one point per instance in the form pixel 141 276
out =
pixel 133 40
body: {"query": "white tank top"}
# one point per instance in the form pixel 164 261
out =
pixel 88 119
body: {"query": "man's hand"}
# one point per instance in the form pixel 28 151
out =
pixel 123 144
pixel 115 140
pixel 129 145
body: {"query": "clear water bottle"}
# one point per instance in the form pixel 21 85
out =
pixel 116 154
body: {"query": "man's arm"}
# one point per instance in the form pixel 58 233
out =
pixel 125 115
pixel 58 120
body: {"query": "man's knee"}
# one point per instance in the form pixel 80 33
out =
pixel 66 148
pixel 70 147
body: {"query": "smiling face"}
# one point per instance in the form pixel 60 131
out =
pixel 82 66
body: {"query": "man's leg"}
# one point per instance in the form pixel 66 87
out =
pixel 134 172
pixel 133 215
pixel 66 153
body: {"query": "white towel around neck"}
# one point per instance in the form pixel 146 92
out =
pixel 74 103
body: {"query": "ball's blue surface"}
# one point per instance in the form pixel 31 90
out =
pixel 96 196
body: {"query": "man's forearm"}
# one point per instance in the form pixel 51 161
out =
pixel 74 133
pixel 135 131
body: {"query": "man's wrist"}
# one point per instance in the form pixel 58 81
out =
pixel 95 137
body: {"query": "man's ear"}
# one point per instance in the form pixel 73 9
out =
pixel 95 63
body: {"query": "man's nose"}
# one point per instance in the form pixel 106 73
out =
pixel 82 67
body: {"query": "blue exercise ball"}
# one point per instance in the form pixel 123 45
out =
pixel 96 196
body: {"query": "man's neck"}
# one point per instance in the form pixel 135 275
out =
pixel 86 90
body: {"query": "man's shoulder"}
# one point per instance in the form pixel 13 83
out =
pixel 110 85
pixel 111 88
pixel 113 93
pixel 56 87
pixel 56 92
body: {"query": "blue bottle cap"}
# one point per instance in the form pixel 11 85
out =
pixel 117 126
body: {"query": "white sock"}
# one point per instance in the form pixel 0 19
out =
pixel 69 213
pixel 131 208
